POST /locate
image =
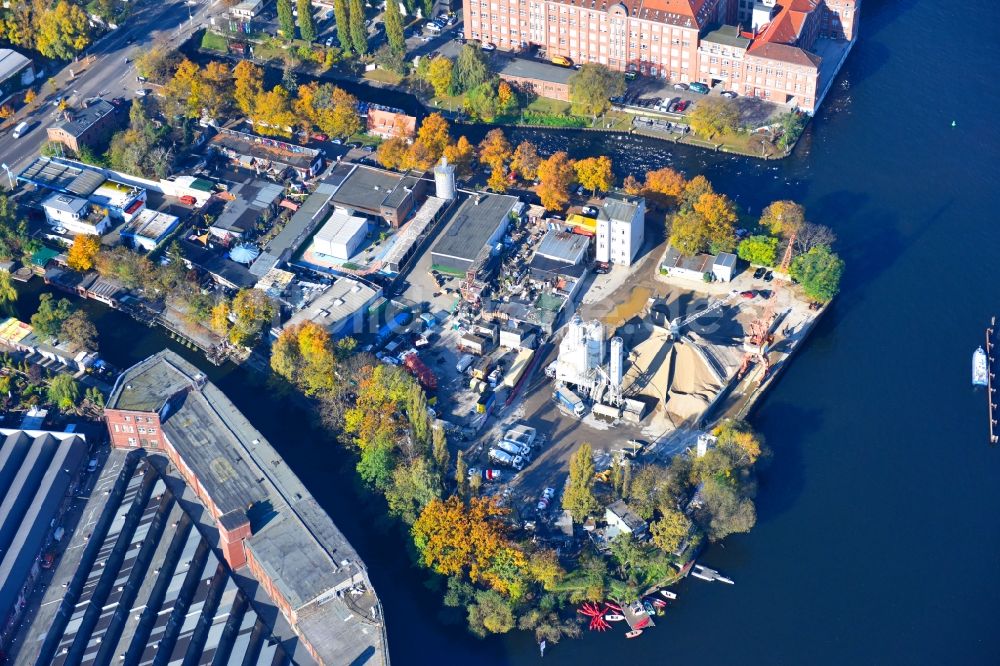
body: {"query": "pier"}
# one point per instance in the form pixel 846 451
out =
pixel 990 377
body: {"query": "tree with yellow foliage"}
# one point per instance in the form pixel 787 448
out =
pixel 252 309
pixel 555 174
pixel 183 92
pixel 783 218
pixel 61 31
pixel 594 173
pixel 217 88
pixel 432 139
pixel 439 75
pixel 219 318
pixel 6 111
pixel 83 253
pixel 30 95
pixel 304 355
pixel 632 185
pixel 719 215
pixel 461 154
pixel 248 86
pixel 273 111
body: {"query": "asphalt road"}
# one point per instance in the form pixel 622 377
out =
pixel 107 75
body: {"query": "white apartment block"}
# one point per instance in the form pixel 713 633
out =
pixel 76 215
pixel 620 229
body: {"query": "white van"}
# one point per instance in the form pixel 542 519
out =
pixel 21 129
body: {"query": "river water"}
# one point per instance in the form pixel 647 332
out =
pixel 875 542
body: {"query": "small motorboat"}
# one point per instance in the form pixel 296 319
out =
pixel 658 603
pixel 668 594
pixel 649 608
pixel 614 617
pixel 633 633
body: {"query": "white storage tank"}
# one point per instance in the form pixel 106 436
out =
pixel 444 180
pixel 617 361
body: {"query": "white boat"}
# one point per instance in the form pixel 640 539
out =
pixel 980 368
pixel 633 633
pixel 668 594
pixel 614 617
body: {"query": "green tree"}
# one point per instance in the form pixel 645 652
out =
pixel 413 486
pixel 481 103
pixel 579 497
pixel 63 391
pixel 758 250
pixel 439 450
pixel 471 69
pixel 48 319
pixel 592 86
pixel 626 551
pixel 342 16
pixel 724 511
pixel 286 20
pixel 307 25
pixel 359 36
pixel 490 614
pixel 461 475
pixel 714 115
pixel 393 21
pixel 818 271
pixel 253 309
pixel 376 465
pixel 8 294
pixel 78 329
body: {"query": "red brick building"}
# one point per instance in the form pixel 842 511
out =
pixel 773 49
pixel 269 525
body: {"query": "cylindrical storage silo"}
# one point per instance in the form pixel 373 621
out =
pixel 444 180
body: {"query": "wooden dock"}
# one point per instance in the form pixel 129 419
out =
pixel 637 617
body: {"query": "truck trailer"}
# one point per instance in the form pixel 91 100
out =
pixel 570 400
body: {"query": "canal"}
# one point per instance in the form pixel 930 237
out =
pixel 875 540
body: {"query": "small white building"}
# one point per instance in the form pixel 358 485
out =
pixel 724 266
pixel 621 519
pixel 122 201
pixel 246 10
pixel 149 229
pixel 76 215
pixel 341 235
pixel 621 228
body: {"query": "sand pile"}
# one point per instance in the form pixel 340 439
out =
pixel 676 374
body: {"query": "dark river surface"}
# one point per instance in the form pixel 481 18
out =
pixel 875 542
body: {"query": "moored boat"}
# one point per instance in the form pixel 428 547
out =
pixel 668 594
pixel 614 617
pixel 980 369
pixel 633 633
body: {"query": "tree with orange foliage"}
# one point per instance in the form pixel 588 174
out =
pixel 526 160
pixel 556 175
pixel 83 253
pixel 453 538
pixel 461 154
pixel 784 218
pixel 428 147
pixel 632 185
pixel 392 152
pixel 495 152
pixel 594 173
pixel 719 216
pixel 664 186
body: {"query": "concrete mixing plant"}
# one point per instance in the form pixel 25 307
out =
pixel 581 354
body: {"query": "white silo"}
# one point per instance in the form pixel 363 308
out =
pixel 595 344
pixel 617 361
pixel 444 180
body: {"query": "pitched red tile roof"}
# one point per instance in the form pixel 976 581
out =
pixel 786 53
pixel 786 27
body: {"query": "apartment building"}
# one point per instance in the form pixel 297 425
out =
pixel 772 49
pixel 621 228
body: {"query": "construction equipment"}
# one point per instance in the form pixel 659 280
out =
pixel 680 322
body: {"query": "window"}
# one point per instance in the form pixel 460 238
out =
pixel 131 440
pixel 128 419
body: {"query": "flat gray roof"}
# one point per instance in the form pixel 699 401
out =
pixel 472 225
pixel 58 175
pixel 534 69
pixel 563 246
pixel 293 539
pixel 365 188
pixel 726 35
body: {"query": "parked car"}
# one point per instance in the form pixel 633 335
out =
pixel 759 273
pixel 631 76
pixel 768 276
pixel 433 27
pixel 731 94
pixel 680 86
pixel 682 105
pixel 698 87
pixel 748 294
pixel 489 46
pixel 602 268
pixel 589 211
pixel 48 560
pixel 549 493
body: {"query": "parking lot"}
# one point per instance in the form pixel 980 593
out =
pixel 658 96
